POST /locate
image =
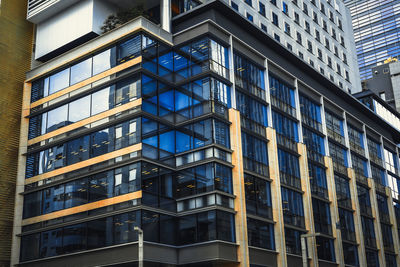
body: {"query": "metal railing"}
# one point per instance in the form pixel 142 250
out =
pixel 336 136
pixel 286 142
pixel 285 107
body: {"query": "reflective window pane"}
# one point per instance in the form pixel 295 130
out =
pixel 79 109
pixel 58 81
pixel 101 101
pixel 104 61
pixel 81 71
pixel 57 118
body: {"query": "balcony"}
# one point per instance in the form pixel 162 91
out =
pixel 336 136
pixel 283 106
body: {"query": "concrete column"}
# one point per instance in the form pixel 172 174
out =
pixel 166 15
pixel 393 222
pixel 330 179
pixel 307 204
pixel 238 189
pixel 377 223
pixel 232 73
pixel 277 209
pixel 20 183
pixel 357 218
pixel 268 93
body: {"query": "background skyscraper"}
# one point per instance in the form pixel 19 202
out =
pixel 376 25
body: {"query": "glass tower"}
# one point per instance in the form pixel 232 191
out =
pixel 376 31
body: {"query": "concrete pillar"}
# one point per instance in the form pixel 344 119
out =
pixel 377 223
pixel 277 209
pixel 307 204
pixel 330 180
pixel 20 183
pixel 393 222
pixel 357 218
pixel 239 190
pixel 166 15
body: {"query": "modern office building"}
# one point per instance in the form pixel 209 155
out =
pixel 220 143
pixel 376 32
pixel 15 49
pixel 385 83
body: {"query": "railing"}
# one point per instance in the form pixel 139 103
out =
pixel 370 241
pixel 253 207
pixel 286 142
pixel 336 136
pixel 323 227
pixel 365 209
pixel 340 168
pixel 199 110
pixel 375 159
pixel 254 90
pixel 384 217
pixel 285 107
pixel 319 191
pixel 348 235
pixel 344 201
pixel 380 187
pixel 293 219
pixel 314 156
pixel 361 178
pixel 254 166
pixel 290 180
pixel 357 148
pixel 253 126
pixel 311 122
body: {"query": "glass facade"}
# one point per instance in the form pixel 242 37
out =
pixel 205 158
pixel 376 32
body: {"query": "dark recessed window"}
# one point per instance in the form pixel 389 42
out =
pixel 299 40
pixel 287 28
pixel 307 26
pixel 275 19
pixel 264 28
pixel 262 9
pixel 285 8
pixel 305 8
pixel 277 37
pixel 235 6
pixel 273 2
pixel 248 2
pixel 296 18
pixel 249 17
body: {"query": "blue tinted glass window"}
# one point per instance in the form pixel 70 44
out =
pixel 81 71
pixel 58 81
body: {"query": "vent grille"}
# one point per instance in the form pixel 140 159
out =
pixel 35 6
